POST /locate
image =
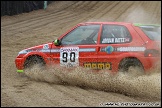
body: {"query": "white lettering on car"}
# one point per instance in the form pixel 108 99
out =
pixel 115 40
pixel 108 40
pixel 130 49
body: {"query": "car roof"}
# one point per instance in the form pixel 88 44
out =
pixel 122 23
pixel 106 23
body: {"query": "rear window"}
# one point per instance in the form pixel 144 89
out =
pixel 153 32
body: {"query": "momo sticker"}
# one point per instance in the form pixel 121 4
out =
pixel 98 65
pixel 69 56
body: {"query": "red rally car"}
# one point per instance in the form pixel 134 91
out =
pixel 114 46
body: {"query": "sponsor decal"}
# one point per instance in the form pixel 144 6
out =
pixel 45 46
pixel 115 40
pixel 130 49
pixel 109 49
pixel 98 65
pixel 64 49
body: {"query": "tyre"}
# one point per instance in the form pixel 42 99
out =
pixel 32 61
pixel 131 63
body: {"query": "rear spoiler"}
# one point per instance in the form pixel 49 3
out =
pixel 139 24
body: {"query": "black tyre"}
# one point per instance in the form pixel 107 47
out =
pixel 128 63
pixel 32 61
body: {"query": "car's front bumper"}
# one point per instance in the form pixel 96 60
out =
pixel 19 64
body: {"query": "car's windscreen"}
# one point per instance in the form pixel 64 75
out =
pixel 153 32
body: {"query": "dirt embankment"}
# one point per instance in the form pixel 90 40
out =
pixel 81 87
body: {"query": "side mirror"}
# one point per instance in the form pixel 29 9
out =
pixel 56 42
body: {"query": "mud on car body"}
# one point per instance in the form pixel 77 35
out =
pixel 98 45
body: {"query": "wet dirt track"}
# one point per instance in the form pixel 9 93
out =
pixel 41 26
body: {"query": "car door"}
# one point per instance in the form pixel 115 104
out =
pixel 78 47
pixel 116 42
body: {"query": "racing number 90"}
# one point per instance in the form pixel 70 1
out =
pixel 65 56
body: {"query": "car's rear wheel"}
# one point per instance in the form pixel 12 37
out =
pixel 129 64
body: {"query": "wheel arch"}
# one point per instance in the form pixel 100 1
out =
pixel 124 60
pixel 31 56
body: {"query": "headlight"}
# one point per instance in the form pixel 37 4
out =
pixel 22 52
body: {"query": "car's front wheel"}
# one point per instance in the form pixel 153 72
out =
pixel 32 61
